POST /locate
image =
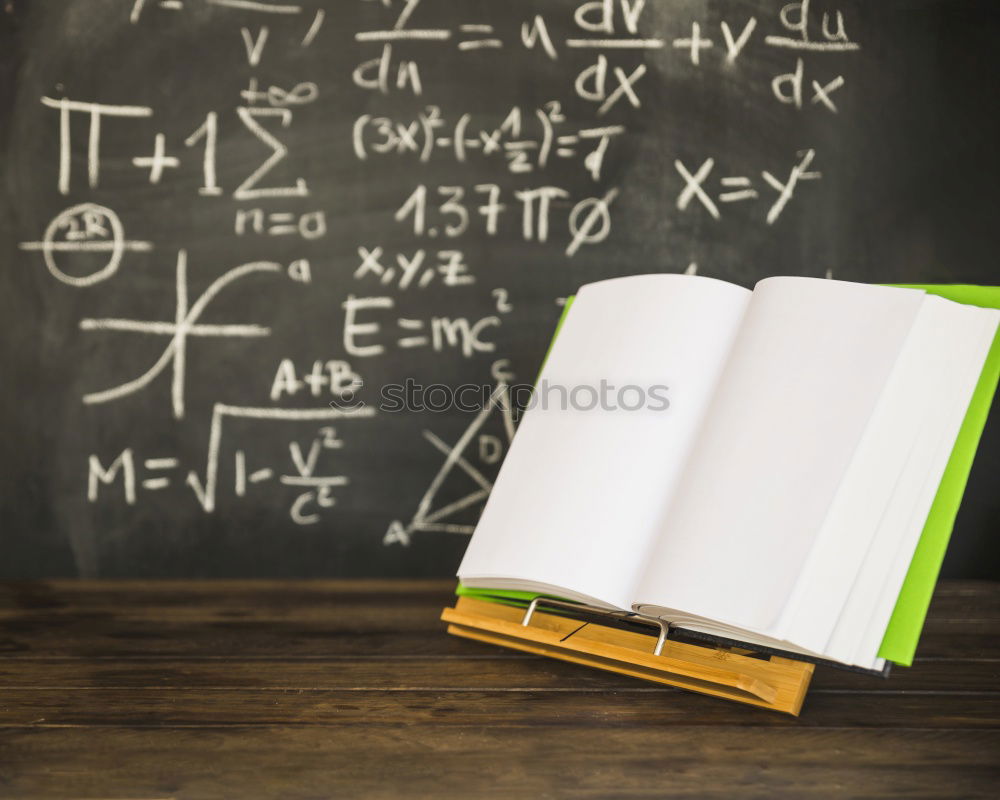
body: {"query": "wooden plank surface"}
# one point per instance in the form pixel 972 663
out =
pixel 352 689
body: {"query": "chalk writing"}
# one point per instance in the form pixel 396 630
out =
pixel 184 326
pixel 392 179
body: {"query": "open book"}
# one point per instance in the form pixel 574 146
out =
pixel 754 465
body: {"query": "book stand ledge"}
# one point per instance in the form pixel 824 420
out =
pixel 776 682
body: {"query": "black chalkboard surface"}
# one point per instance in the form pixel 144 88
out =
pixel 225 223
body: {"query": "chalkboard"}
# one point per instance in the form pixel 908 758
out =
pixel 231 226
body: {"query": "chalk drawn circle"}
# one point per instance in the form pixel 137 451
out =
pixel 65 219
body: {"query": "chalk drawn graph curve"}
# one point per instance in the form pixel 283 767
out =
pixel 186 324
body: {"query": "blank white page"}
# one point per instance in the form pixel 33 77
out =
pixel 581 494
pixel 811 360
pixel 903 451
pixel 966 333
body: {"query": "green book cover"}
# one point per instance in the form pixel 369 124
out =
pixel 903 632
pixel 555 333
pixel 907 620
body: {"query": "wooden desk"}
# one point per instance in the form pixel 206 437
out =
pixel 352 689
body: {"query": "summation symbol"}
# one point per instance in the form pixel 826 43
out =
pixel 185 325
pixel 428 518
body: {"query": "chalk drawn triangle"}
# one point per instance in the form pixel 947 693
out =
pixel 431 514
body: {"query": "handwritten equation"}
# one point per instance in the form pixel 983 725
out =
pixel 414 289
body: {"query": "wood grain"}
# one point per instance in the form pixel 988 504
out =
pixel 352 689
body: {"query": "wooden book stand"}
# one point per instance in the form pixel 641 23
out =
pixel 776 683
